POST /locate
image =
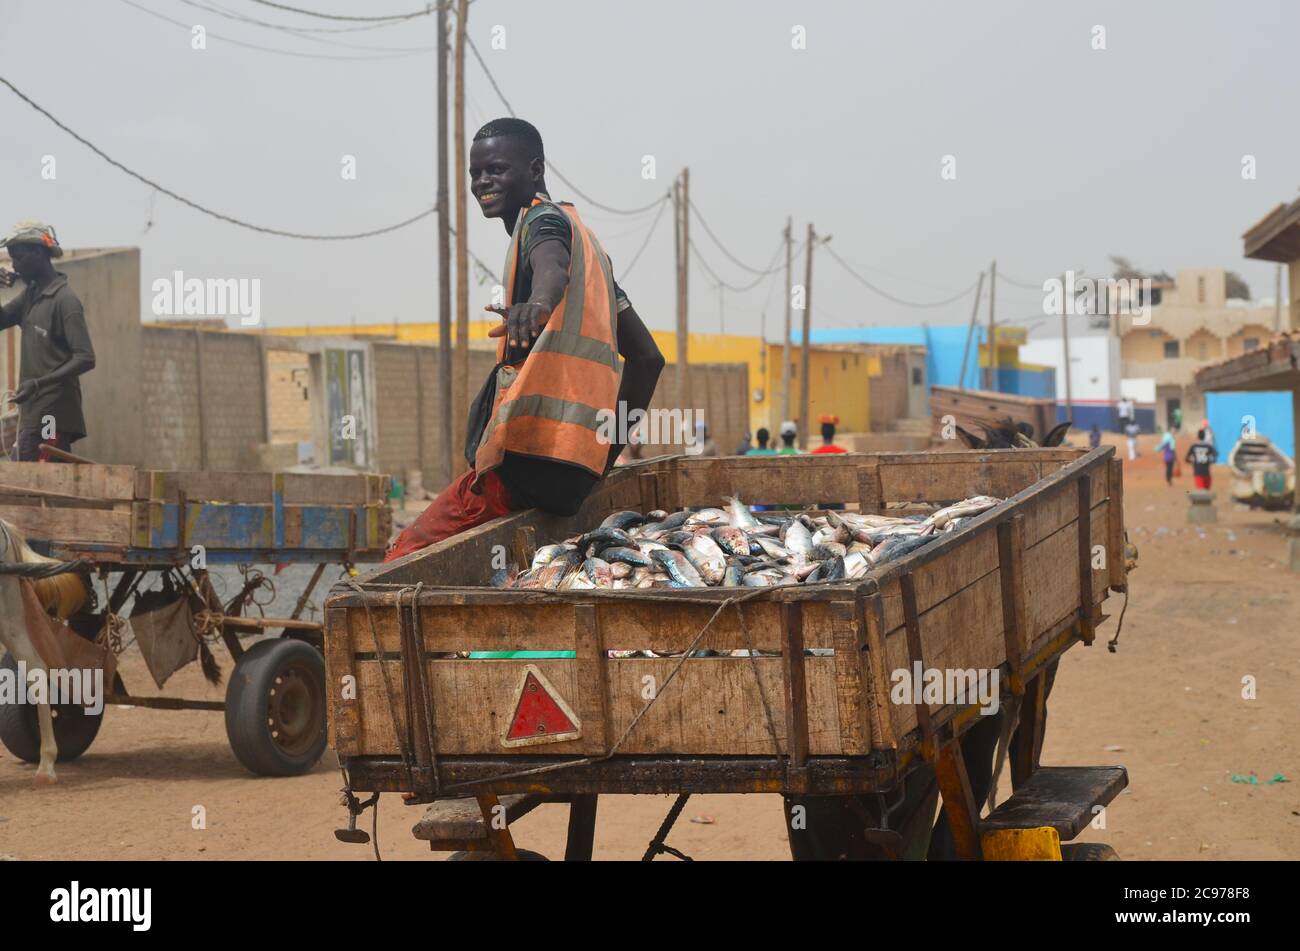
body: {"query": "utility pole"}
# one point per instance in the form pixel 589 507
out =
pixel 807 326
pixel 991 363
pixel 970 331
pixel 1065 344
pixel 785 341
pixel 444 259
pixel 460 378
pixel 682 206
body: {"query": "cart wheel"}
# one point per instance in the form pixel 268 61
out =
pixel 74 728
pixel 524 856
pixel 1088 852
pixel 275 707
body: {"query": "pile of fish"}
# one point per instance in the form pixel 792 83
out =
pixel 733 547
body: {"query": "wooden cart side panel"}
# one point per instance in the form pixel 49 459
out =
pixel 712 707
pixel 901 477
pixel 100 526
pixel 341 689
pixel 96 482
pixel 966 629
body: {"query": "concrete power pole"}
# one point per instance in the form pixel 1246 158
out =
pixel 990 365
pixel 682 206
pixel 807 326
pixel 970 331
pixel 444 260
pixel 460 377
pixel 785 341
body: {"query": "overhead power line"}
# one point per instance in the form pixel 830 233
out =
pixel 888 296
pixel 428 9
pixel 663 203
pixel 1014 283
pixel 202 208
pixel 723 248
pixel 549 164
pixel 254 46
pixel 304 35
pixel 732 287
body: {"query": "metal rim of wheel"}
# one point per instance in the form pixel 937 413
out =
pixel 295 706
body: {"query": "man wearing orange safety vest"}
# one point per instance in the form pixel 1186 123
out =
pixel 534 437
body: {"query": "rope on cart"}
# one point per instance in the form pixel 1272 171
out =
pixel 1113 644
pixel 657 845
pixel 767 707
pixel 388 683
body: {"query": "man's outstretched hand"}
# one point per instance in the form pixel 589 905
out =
pixel 522 323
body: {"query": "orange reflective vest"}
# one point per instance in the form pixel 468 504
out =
pixel 551 405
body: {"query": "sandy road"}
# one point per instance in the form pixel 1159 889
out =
pixel 1207 609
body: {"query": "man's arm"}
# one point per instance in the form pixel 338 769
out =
pixel 524 321
pixel 641 369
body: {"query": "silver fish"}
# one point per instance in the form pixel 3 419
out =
pixel 731 540
pixel 681 571
pixel 708 559
pixel 546 553
pixel 741 516
pixel 798 539
pixel 598 572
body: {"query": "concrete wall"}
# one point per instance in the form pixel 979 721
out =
pixel 107 281
pixel 205 401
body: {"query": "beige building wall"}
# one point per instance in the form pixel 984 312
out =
pixel 1194 313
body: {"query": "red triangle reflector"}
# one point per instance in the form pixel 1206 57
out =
pixel 540 713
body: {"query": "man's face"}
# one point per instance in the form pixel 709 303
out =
pixel 502 176
pixel 28 259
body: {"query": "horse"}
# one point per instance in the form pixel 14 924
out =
pixel 62 595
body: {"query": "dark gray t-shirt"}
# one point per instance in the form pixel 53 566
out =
pixel 54 329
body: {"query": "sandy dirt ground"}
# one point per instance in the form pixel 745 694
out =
pixel 1207 609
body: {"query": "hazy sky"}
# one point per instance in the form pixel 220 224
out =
pixel 1064 154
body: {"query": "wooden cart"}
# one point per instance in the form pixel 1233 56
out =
pixel 129 525
pixel 810 713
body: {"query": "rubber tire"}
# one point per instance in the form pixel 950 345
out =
pixel 1088 852
pixel 247 694
pixel 524 856
pixel 20 731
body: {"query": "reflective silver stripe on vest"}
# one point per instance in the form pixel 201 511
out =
pixel 552 408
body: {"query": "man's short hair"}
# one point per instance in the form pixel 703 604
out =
pixel 1200 434
pixel 764 436
pixel 503 128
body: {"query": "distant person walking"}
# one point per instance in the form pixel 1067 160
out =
pixel 1094 436
pixel 1131 431
pixel 788 435
pixel 1209 433
pixel 1168 450
pixel 1202 455
pixel 1124 409
pixel 1176 417
pixel 763 449
pixel 828 436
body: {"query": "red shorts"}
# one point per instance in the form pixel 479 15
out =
pixel 456 509
pixel 1202 482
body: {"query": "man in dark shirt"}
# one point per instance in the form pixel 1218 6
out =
pixel 56 346
pixel 1201 455
pixel 507 177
